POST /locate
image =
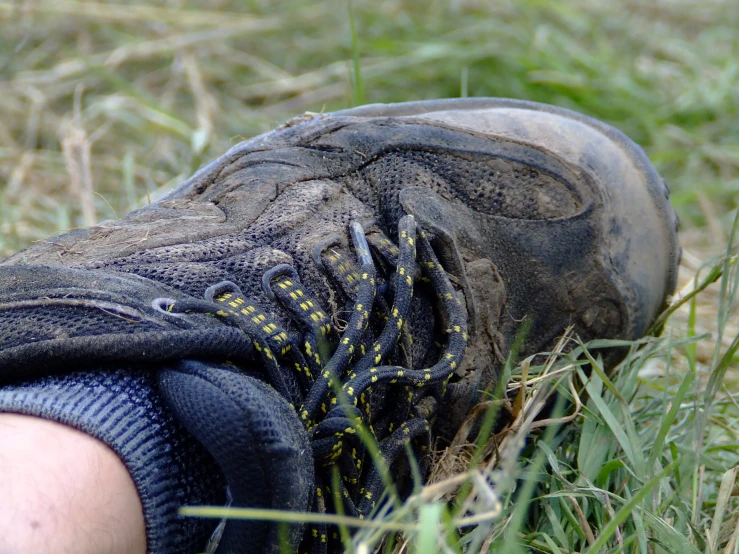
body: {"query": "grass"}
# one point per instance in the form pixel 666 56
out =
pixel 106 106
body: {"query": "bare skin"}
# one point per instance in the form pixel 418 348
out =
pixel 62 491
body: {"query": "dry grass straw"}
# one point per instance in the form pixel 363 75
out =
pixel 452 464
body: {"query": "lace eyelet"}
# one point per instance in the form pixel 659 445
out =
pixel 164 306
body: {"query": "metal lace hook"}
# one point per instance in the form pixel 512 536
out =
pixel 164 306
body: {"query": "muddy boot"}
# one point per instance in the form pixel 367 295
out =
pixel 364 270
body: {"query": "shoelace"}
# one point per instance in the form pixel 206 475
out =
pixel 329 393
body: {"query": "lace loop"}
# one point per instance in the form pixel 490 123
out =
pixel 219 289
pixel 347 346
pixel 281 270
pixel 321 247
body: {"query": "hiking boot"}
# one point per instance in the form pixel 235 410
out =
pixel 371 266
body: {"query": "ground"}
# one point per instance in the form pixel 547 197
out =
pixel 106 106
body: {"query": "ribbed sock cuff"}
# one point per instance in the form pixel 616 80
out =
pixel 123 409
